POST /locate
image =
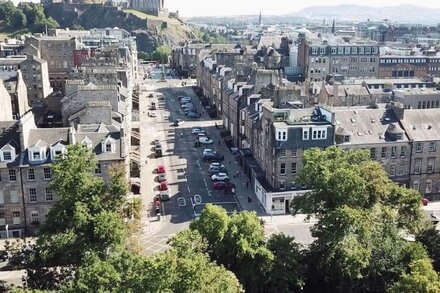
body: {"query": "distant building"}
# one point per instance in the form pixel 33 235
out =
pixel 153 7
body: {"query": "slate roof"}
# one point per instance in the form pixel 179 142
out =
pixel 366 126
pixel 422 125
pixel 10 135
pixel 345 90
pixel 49 136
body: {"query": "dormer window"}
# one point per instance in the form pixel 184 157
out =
pixel 87 143
pixel 37 153
pixel 281 134
pixel 7 153
pixel 108 145
pixel 58 150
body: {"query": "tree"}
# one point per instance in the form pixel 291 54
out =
pixel 422 278
pixel 285 274
pixel 161 54
pixel 16 20
pixel 86 218
pixel 6 9
pixel 237 242
pixel 430 238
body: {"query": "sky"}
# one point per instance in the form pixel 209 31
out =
pixel 189 8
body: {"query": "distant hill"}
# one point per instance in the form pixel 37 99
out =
pixel 351 12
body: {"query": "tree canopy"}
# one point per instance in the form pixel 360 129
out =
pixel 26 15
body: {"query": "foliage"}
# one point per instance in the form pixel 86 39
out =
pixel 26 15
pixel 86 218
pixel 213 38
pixel 430 238
pixel 348 178
pixel 143 55
pixel 161 54
pixel 422 278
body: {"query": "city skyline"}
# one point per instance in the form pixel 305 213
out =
pixel 192 8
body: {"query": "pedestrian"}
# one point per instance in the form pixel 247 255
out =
pixel 244 184
pixel 237 173
pixel 247 184
pixel 219 142
pixel 229 161
pixel 216 127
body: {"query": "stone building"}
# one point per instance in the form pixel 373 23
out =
pixel 337 95
pixel 58 52
pixel 13 83
pixel 352 60
pixel 26 155
pixel 153 7
pixel 36 76
pixel 417 98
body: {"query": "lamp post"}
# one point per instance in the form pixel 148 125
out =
pixel 7 231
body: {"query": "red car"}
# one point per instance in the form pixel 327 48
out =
pixel 160 169
pixel 223 185
pixel 163 186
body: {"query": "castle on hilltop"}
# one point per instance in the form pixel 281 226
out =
pixel 153 7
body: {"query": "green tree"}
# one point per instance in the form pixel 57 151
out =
pixel 421 279
pixel 84 220
pixel 6 9
pixel 430 238
pixel 161 54
pixel 285 274
pixel 16 20
pixel 237 242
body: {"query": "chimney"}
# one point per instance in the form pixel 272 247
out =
pixel 398 109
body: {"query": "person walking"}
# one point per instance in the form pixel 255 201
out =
pixel 219 142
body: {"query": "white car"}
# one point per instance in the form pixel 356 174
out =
pixel 216 165
pixel 196 130
pixel 205 140
pixel 153 114
pixel 220 177
pixel 208 151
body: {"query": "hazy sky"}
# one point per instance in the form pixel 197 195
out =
pixel 234 7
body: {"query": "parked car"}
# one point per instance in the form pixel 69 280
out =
pixel 178 122
pixel 213 157
pixel 201 134
pixel 160 169
pixel 192 115
pixel 164 185
pixel 197 130
pixel 208 151
pixel 162 177
pixel 222 185
pixel 216 165
pixel 187 106
pixel 205 140
pixel 152 114
pixel 216 171
pixel 164 195
pixel 220 177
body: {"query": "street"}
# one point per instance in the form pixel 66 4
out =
pixel 187 173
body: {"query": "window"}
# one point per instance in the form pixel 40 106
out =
pixel 383 153
pixel 282 184
pixel 393 170
pixel 16 220
pixel 403 152
pixel 108 147
pixel 2 219
pixel 399 136
pixel 294 153
pixel 282 153
pixel 305 134
pixel 47 174
pixel 14 196
pixel 32 195
pixel 419 147
pixel 432 146
pixel 354 50
pixel 281 135
pixel 322 50
pixel 2 197
pixel 431 163
pixel 294 168
pixel 283 168
pixel 417 166
pixel 428 186
pixel 314 50
pixel 373 153
pixel 35 217
pixel 31 175
pixel 361 50
pixel 393 152
pixel 333 50
pixel 36 156
pixel 98 169
pixel 87 143
pixel 7 156
pixel 319 134
pixel 49 194
pixel 347 50
pixel 12 175
pixel 416 185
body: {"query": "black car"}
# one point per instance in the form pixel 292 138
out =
pixel 213 157
pixel 3 255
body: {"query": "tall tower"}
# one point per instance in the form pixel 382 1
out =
pixel 260 20
pixel 333 27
